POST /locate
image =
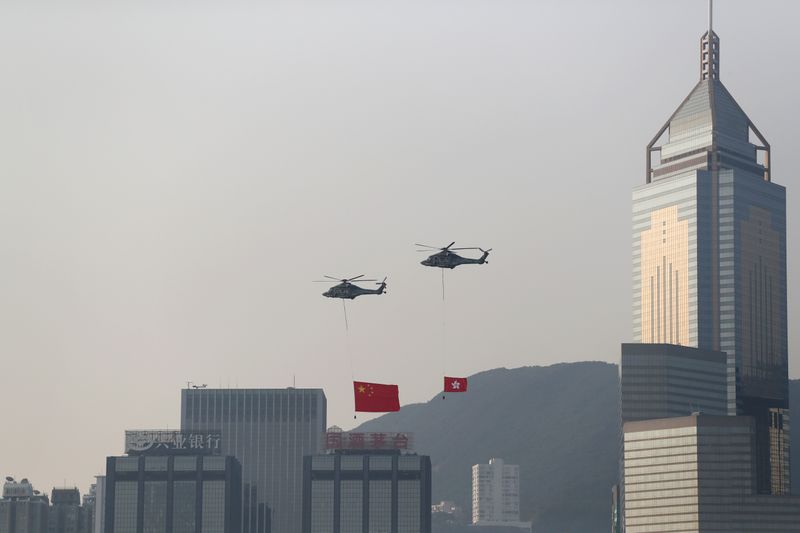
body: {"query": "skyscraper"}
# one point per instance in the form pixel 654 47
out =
pixel 709 255
pixel 66 515
pixel 268 431
pixel 100 505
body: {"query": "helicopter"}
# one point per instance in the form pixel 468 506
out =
pixel 346 290
pixel 446 258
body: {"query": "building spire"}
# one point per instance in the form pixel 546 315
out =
pixel 710 16
pixel 709 49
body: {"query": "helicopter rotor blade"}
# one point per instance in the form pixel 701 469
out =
pixel 449 245
pixel 466 248
pixel 331 277
pixel 427 246
pixel 355 278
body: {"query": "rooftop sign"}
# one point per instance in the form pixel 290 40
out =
pixel 163 442
pixel 351 440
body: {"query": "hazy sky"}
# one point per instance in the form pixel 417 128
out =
pixel 174 175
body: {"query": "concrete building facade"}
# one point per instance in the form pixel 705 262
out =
pixel 495 495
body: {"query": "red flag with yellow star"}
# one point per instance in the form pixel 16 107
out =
pixel 376 397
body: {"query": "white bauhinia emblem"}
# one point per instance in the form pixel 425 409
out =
pixel 456 384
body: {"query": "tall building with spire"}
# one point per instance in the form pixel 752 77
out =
pixel 709 256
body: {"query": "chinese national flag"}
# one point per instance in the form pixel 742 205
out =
pixel 455 384
pixel 376 398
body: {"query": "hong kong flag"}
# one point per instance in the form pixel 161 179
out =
pixel 376 398
pixel 455 384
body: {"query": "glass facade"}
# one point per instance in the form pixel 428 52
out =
pixel 126 506
pixel 184 498
pixel 380 505
pixel 664 380
pixel 155 506
pixel 172 494
pixel 696 474
pixel 322 511
pixel 268 431
pixel 378 492
pixel 213 506
pixel 709 255
pixel 351 506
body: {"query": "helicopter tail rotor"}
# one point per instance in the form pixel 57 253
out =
pixel 382 285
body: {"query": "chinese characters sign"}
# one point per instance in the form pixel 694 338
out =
pixel 172 443
pixel 342 440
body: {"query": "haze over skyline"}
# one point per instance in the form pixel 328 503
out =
pixel 176 175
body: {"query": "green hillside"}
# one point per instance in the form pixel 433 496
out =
pixel 559 423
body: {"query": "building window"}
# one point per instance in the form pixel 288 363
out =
pixel 322 506
pixel 127 464
pixel 155 464
pixel 351 506
pixel 155 505
pixel 183 507
pixel 380 505
pixel 213 507
pixel 185 464
pixel 214 464
pixel 125 506
pixel 408 506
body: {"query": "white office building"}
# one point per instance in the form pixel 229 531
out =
pixel 495 495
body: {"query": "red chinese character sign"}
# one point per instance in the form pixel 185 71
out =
pixel 340 440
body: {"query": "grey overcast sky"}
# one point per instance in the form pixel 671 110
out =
pixel 174 174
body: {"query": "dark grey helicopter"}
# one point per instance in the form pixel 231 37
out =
pixel 346 290
pixel 446 258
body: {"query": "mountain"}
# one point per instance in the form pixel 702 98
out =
pixel 559 423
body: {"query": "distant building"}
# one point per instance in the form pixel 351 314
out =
pixel 495 495
pixel 698 473
pixel 22 509
pixel 172 482
pixel 365 482
pixel 268 431
pixel 446 513
pixel 66 515
pixel 666 380
pixel 88 510
pixel 99 505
